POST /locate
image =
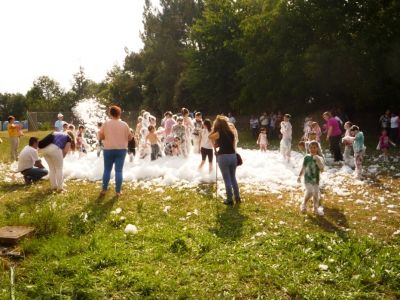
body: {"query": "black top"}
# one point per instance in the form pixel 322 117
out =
pixel 225 143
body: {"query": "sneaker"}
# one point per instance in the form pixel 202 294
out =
pixel 238 201
pixel 319 211
pixel 27 180
pixel 226 202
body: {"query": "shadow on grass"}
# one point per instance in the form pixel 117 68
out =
pixel 100 208
pixel 333 221
pixel 230 223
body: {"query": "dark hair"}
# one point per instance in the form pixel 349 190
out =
pixel 151 127
pixel 99 124
pixel 221 126
pixel 263 129
pixel 65 124
pixel 10 118
pixel 328 114
pixel 168 113
pixel 355 128
pixel 207 123
pixel 33 140
pixel 81 127
pixel 197 114
pixel 185 111
pixel 115 111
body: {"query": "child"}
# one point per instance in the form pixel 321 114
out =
pixel 302 147
pixel 80 140
pixel 65 127
pixel 312 166
pixel 286 141
pixel 206 146
pixel 132 146
pixel 348 143
pixel 317 130
pixel 262 139
pixel 99 146
pixel 153 139
pixel 179 130
pixel 312 137
pixel 384 144
pixel 357 139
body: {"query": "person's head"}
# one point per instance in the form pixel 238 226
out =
pixel 207 124
pixel 302 146
pixel 327 115
pixel 312 136
pixel 384 132
pixel 65 126
pixel 99 124
pixel 151 128
pixel 11 119
pixel 81 128
pixel 72 136
pixel 177 140
pixel 179 120
pixel 115 112
pixel 354 130
pixel 140 119
pixel 387 112
pixel 221 125
pixel 314 125
pixel 142 112
pixel 185 112
pixel 71 127
pixel 347 125
pixel 263 130
pixel 313 147
pixel 60 116
pixel 287 117
pixel 168 114
pixel 33 142
pixel 198 115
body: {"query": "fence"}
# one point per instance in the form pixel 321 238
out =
pixel 46 120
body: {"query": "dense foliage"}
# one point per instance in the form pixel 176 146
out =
pixel 250 55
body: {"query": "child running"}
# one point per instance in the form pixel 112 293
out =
pixel 262 140
pixel 312 166
pixel 384 144
pixel 154 142
pixel 206 146
pixel 286 141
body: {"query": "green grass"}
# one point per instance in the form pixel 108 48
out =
pixel 263 249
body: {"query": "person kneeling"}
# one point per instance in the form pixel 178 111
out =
pixel 29 163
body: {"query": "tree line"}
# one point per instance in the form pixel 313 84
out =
pixel 249 55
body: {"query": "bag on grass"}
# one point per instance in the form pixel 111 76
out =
pixel 47 140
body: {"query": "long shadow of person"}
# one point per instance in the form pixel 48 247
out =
pixel 230 223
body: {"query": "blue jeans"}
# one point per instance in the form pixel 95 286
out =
pixel 34 174
pixel 111 157
pixel 227 164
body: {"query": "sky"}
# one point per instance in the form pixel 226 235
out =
pixel 55 37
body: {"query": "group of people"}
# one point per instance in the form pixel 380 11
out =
pixel 179 134
pixel 268 122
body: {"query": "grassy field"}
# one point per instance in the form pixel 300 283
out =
pixel 201 249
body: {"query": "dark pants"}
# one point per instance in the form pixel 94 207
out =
pixel 206 153
pixel 254 132
pixel 334 147
pixel 34 174
pixel 155 151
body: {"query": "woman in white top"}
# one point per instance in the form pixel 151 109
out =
pixel 206 146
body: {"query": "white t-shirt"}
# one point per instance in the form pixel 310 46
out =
pixel 27 158
pixel 205 141
pixel 394 122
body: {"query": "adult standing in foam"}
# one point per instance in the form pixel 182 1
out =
pixel 14 132
pixel 333 135
pixel 54 152
pixel 223 138
pixel 115 135
pixel 58 125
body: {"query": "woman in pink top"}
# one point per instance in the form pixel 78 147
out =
pixel 333 135
pixel 115 135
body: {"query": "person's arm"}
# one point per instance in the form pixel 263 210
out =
pixel 101 133
pixel 214 136
pixel 300 174
pixel 38 164
pixel 66 149
pixel 258 140
pixel 328 134
pixel 318 160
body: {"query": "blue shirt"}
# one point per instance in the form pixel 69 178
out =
pixel 61 139
pixel 58 125
pixel 358 144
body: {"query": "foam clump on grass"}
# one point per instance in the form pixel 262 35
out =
pixel 131 229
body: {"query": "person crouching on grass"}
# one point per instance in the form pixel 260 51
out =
pixel 312 166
